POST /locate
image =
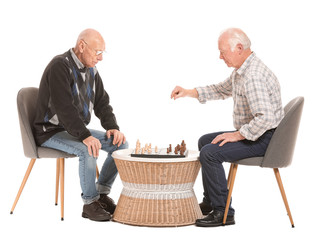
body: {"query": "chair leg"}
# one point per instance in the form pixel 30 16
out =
pixel 97 172
pixel 277 173
pixel 24 181
pixel 62 187
pixel 57 180
pixel 232 174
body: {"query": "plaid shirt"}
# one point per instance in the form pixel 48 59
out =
pixel 256 95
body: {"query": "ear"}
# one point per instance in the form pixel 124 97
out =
pixel 81 46
pixel 239 48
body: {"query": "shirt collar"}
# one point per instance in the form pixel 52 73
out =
pixel 77 61
pixel 246 64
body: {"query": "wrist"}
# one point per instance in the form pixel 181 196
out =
pixel 193 93
pixel 240 136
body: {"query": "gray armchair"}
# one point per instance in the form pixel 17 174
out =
pixel 279 152
pixel 26 101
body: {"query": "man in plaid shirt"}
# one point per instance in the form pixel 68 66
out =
pixel 257 112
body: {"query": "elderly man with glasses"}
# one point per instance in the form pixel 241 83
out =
pixel 70 89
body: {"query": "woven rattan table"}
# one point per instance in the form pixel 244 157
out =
pixel 157 191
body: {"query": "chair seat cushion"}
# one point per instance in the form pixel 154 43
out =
pixel 255 161
pixel 44 152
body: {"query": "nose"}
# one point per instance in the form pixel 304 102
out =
pixel 100 57
pixel 221 56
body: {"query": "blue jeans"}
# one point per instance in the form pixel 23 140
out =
pixel 87 164
pixel 212 156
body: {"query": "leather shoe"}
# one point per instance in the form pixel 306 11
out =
pixel 107 203
pixel 94 211
pixel 205 208
pixel 214 219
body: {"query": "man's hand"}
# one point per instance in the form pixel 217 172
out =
pixel 93 145
pixel 228 137
pixel 118 137
pixel 179 92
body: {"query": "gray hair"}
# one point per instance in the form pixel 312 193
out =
pixel 237 36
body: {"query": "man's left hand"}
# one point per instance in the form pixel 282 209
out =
pixel 228 137
pixel 118 137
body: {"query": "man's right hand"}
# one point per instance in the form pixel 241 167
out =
pixel 93 145
pixel 179 92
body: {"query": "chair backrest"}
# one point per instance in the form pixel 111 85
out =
pixel 281 147
pixel 26 102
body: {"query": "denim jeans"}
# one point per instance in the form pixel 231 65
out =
pixel 87 164
pixel 212 156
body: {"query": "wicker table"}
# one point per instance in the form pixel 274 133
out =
pixel 157 191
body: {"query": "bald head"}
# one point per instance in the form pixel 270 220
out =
pixel 235 36
pixel 89 36
pixel 89 47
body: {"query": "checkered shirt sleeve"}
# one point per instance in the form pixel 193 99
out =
pixel 221 90
pixel 256 94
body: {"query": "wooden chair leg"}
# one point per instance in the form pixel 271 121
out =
pixel 24 181
pixel 283 194
pixel 97 172
pixel 233 177
pixel 62 187
pixel 230 175
pixel 57 180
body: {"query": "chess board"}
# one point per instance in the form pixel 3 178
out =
pixel 162 153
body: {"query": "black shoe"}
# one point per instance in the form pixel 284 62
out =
pixel 205 208
pixel 214 219
pixel 94 211
pixel 107 203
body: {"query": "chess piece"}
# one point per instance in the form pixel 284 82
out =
pixel 156 149
pixel 176 150
pixel 181 152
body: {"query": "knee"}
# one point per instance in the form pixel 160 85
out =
pixel 210 153
pixel 123 146
pixel 201 142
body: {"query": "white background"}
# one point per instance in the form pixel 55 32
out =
pixel 152 47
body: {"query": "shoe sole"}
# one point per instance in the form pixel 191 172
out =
pixel 215 224
pixel 97 219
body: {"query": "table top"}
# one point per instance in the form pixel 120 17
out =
pixel 125 154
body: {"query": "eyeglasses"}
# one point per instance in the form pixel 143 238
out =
pixel 96 51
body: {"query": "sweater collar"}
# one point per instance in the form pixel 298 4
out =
pixel 79 64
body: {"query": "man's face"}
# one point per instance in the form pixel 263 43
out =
pixel 92 52
pixel 229 57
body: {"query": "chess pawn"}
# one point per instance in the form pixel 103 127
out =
pixel 176 150
pixel 170 148
pixel 156 149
